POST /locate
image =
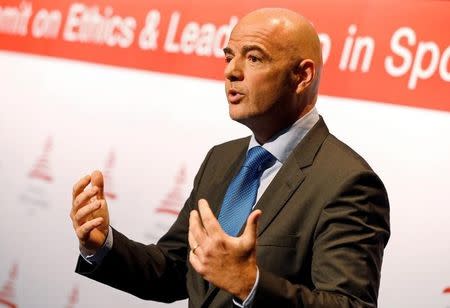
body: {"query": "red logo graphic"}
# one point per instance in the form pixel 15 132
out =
pixel 110 162
pixel 173 201
pixel 446 290
pixel 73 297
pixel 7 293
pixel 41 168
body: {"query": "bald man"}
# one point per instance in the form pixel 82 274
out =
pixel 288 217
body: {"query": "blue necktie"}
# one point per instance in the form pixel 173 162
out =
pixel 241 194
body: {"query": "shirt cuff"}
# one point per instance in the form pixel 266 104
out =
pixel 95 257
pixel 251 296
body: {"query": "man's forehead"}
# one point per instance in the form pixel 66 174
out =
pixel 264 34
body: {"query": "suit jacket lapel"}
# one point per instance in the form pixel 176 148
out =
pixel 291 175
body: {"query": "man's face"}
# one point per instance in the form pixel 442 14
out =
pixel 258 75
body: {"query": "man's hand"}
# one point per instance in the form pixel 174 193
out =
pixel 225 261
pixel 89 211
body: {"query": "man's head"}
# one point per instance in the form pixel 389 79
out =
pixel 273 70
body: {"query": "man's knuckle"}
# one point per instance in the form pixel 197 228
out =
pixel 207 252
pixel 78 232
pixel 205 260
pixel 217 241
pixel 201 269
pixel 72 217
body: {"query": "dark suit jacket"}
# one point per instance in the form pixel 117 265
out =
pixel 320 243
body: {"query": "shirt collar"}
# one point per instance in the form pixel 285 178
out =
pixel 283 143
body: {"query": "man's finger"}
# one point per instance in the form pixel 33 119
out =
pixel 196 229
pixel 80 185
pixel 97 181
pixel 196 249
pixel 209 221
pixel 83 230
pixel 83 198
pixel 196 263
pixel 86 210
pixel 191 240
pixel 249 234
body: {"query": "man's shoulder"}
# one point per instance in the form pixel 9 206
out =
pixel 231 146
pixel 341 156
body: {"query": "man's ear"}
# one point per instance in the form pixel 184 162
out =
pixel 305 73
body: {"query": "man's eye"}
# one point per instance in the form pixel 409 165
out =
pixel 253 59
pixel 228 59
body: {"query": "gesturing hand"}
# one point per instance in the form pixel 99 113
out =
pixel 89 211
pixel 227 262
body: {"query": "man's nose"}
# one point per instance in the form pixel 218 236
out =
pixel 234 71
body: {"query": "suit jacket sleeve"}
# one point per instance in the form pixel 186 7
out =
pixel 349 239
pixel 154 272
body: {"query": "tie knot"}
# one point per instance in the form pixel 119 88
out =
pixel 258 158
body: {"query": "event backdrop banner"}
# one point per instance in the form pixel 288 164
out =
pixel 134 89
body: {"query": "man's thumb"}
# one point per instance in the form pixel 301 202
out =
pixel 251 226
pixel 97 180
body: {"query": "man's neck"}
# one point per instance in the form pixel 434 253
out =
pixel 267 131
